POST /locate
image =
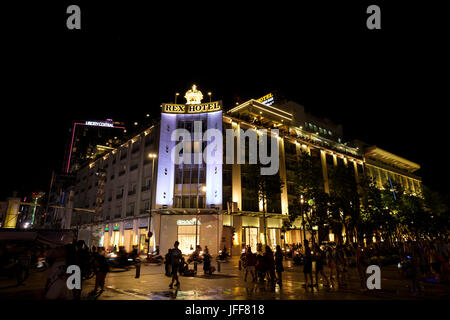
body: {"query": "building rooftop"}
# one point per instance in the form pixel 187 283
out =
pixel 384 156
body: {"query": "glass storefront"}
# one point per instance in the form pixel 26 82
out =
pixel 274 238
pixel 142 244
pixel 115 239
pixel 128 240
pixel 186 238
pixel 250 237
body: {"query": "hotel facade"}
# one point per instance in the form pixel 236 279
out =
pixel 137 190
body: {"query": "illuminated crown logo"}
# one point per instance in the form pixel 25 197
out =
pixel 193 96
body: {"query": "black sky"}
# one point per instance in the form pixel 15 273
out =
pixel 386 87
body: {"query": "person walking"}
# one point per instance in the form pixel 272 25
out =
pixel 270 262
pixel 207 262
pixel 175 260
pixel 168 265
pixel 340 265
pixel 319 256
pixel 250 264
pixel 331 264
pixel 361 264
pixel 307 267
pixel 101 269
pixel 279 264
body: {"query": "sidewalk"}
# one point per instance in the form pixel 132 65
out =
pixel 228 284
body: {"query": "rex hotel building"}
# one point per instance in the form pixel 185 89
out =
pixel 137 188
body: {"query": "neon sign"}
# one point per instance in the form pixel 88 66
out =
pixel 192 108
pixel 99 124
pixel 267 99
pixel 187 222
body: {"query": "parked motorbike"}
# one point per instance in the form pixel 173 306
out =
pixel 223 255
pixel 155 258
pixel 298 258
pixel 195 257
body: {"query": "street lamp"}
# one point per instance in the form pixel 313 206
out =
pixel 209 94
pixel 303 219
pixel 152 156
pixel 176 95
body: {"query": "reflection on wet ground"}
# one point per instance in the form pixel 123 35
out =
pixel 228 284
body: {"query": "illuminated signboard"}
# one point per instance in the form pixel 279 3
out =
pixel 267 99
pixel 99 124
pixel 187 222
pixel 192 108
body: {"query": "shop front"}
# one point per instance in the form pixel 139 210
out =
pixel 142 233
pixel 128 240
pixel 186 230
pixel 115 240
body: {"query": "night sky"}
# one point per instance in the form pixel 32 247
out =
pixel 385 87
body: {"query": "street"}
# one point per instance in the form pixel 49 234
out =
pixel 225 285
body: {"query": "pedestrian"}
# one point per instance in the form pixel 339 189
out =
pixel 23 266
pixel 168 265
pixel 320 261
pixel 101 270
pixel 260 266
pixel 361 265
pixel 411 270
pixel 279 264
pixel 175 260
pixel 331 264
pixel 340 265
pixel 307 267
pixel 270 263
pixel 207 262
pixel 250 264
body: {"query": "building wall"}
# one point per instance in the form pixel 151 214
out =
pixel 135 183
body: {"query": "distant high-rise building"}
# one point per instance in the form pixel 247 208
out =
pixel 89 139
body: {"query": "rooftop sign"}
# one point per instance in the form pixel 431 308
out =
pixel 192 108
pixel 99 124
pixel 267 99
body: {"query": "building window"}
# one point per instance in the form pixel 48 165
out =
pixel 186 238
pixel 130 209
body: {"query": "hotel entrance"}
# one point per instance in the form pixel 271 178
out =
pixel 186 238
pixel 250 237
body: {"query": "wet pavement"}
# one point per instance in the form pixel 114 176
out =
pixel 226 285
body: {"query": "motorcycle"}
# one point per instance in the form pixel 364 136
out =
pixel 224 256
pixel 298 259
pixel 154 258
pixel 195 257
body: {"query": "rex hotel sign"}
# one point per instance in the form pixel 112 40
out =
pixel 192 108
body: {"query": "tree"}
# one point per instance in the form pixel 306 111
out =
pixel 265 188
pixel 308 187
pixel 346 202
